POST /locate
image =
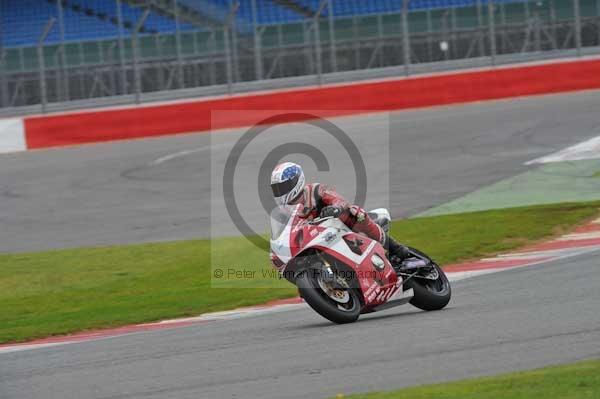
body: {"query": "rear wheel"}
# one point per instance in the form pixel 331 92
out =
pixel 431 293
pixel 332 301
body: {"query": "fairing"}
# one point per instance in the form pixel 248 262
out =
pixel 292 235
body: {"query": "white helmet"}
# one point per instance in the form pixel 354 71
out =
pixel 287 183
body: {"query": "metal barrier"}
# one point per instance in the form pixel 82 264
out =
pixel 159 46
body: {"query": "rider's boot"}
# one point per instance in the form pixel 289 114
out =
pixel 395 249
pixel 400 255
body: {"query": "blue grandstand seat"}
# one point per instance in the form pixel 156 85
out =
pixel 271 13
pixel 268 12
pixel 361 7
pixel 22 21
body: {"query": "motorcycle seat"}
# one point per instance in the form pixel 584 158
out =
pixel 380 217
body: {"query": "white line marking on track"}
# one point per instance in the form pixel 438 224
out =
pixel 212 147
pixel 551 253
pixel 509 257
pixel 580 236
pixel 18 348
pixel 458 276
pixel 183 153
pixel 175 155
pixel 589 149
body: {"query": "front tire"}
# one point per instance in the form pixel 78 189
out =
pixel 321 303
pixel 430 294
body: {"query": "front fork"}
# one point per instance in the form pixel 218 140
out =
pixel 329 276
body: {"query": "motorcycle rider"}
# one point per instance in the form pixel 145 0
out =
pixel 289 188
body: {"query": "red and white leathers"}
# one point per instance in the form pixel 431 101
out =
pixel 317 196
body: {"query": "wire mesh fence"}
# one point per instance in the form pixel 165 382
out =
pixel 65 50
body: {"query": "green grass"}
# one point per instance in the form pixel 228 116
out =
pixel 597 174
pixel 575 381
pixel 465 236
pixel 58 292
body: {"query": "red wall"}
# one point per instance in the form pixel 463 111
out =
pixel 194 116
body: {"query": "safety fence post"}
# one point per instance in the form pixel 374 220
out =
pixel 480 29
pixel 180 76
pixel 42 63
pixel 492 31
pixel 405 37
pixel 317 29
pixel 257 32
pixel 4 98
pixel 332 40
pixel 136 56
pixel 64 94
pixel 123 70
pixel 577 12
pixel 227 43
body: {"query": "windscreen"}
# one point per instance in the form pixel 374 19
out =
pixel 280 216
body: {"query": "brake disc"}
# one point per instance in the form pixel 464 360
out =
pixel 340 296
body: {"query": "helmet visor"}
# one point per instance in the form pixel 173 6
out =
pixel 283 188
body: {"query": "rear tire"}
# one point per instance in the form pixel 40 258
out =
pixel 322 304
pixel 428 294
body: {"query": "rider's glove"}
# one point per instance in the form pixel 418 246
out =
pixel 358 213
pixel 331 211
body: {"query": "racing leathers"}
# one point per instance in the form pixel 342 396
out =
pixel 318 197
pixel 321 200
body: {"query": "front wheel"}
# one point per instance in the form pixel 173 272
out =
pixel 430 294
pixel 337 305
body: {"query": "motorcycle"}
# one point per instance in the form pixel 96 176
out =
pixel 342 274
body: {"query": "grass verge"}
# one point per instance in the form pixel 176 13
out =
pixel 58 292
pixel 579 380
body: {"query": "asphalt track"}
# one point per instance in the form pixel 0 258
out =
pixel 109 193
pixel 512 320
pixel 160 189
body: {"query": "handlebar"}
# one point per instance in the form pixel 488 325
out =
pixel 320 220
